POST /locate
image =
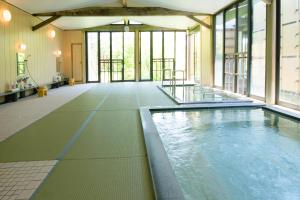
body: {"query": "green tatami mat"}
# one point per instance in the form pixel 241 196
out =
pixel 107 179
pixel 154 99
pixel 42 140
pixel 110 134
pixel 86 102
pixel 99 139
pixel 149 95
pixel 81 108
pixel 120 102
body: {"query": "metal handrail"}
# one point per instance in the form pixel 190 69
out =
pixel 163 72
pixel 183 76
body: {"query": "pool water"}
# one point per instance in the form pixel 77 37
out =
pixel 234 154
pixel 190 94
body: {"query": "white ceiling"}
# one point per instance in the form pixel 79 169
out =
pixel 181 22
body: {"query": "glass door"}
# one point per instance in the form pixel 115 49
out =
pixel 117 60
pixel 169 55
pixel 129 55
pixel 162 52
pixel 92 58
pixel 110 56
pixel 145 55
pixel 105 57
pixel 157 61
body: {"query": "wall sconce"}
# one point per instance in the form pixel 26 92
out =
pixel 6 15
pixel 22 47
pixel 52 34
pixel 58 53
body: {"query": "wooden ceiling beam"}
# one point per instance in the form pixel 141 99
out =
pixel 46 22
pixel 199 21
pixel 121 11
pixel 124 3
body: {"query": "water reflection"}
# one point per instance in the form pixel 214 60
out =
pixel 187 94
pixel 232 153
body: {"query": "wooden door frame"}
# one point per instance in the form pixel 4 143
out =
pixel 72 67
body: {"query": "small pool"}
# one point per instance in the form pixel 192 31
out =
pixel 194 94
pixel 232 153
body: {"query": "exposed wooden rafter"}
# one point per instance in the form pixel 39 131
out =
pixel 132 27
pixel 46 22
pixel 268 2
pixel 199 21
pixel 121 11
pixel 124 3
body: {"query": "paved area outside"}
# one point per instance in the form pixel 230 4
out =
pixel 97 141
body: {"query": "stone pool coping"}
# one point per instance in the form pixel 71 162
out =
pixel 180 102
pixel 164 179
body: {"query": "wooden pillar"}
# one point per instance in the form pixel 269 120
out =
pixel 137 56
pixel 207 65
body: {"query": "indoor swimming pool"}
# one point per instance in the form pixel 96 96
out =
pixel 231 153
pixel 195 94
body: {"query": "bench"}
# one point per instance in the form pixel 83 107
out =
pixel 13 96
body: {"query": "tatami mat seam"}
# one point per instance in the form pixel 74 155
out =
pixel 81 129
pixel 107 158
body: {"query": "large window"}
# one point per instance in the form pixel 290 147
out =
pixel 160 53
pixel 110 56
pixel 218 72
pixel 169 54
pixel 180 51
pixel 258 62
pixel 195 56
pixel 242 51
pixel 198 57
pixel 191 58
pixel 289 91
pixel 236 48
pixel 230 46
pixel 157 61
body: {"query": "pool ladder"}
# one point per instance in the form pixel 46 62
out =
pixel 173 79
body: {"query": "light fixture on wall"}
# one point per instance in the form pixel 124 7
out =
pixel 6 15
pixel 22 47
pixel 58 53
pixel 52 34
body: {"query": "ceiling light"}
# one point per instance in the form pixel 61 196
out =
pixel 6 15
pixel 126 28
